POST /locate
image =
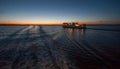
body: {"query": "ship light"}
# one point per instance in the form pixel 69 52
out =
pixel 76 25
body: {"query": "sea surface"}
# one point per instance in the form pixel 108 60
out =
pixel 54 47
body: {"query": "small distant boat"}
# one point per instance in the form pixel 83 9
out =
pixel 74 25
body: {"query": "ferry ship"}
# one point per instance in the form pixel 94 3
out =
pixel 74 25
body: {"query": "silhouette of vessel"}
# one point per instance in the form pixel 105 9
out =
pixel 74 25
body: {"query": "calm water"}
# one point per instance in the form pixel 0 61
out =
pixel 52 47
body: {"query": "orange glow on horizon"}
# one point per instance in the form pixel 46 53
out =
pixel 29 22
pixel 51 22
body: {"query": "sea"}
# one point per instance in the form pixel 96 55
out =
pixel 55 47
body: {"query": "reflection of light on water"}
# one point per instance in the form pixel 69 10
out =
pixel 70 30
pixel 82 31
pixel 75 30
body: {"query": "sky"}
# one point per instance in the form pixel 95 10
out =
pixel 58 11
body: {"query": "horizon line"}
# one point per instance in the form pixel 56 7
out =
pixel 57 23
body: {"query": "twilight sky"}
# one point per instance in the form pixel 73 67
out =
pixel 57 11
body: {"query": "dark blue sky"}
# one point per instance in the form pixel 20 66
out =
pixel 60 10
